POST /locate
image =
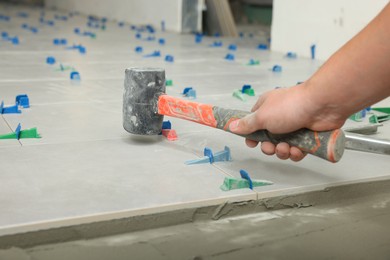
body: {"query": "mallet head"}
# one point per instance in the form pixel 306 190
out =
pixel 143 86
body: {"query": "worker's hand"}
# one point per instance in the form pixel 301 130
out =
pixel 281 111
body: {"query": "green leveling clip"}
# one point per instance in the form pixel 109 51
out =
pixel 20 134
pixel 246 182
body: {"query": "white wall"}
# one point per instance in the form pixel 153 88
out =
pixel 131 11
pixel 297 24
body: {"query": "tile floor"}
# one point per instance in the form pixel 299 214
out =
pixel 87 167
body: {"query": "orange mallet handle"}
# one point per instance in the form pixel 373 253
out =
pixel 328 145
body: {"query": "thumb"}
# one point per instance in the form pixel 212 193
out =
pixel 245 125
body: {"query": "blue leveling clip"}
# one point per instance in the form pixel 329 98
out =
pixel 253 62
pixel 247 89
pixel 198 37
pixel 277 68
pixel 34 29
pixel 150 38
pixel 138 49
pixel 22 100
pixel 161 41
pixel 153 54
pixel 50 60
pixel 189 92
pixel 169 58
pixel 14 40
pixel 209 157
pixel 82 49
pixel 166 125
pixel 262 46
pixel 150 28
pixel 216 44
pixel 229 56
pixel 232 47
pixel 313 51
pixel 17 131
pixel 58 41
pixel 4 18
pixel 9 110
pixel 246 176
pixel 207 152
pixel 86 33
pixel 79 47
pixel 185 91
pixel 74 75
pixel 291 55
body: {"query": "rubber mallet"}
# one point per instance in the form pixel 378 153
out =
pixel 145 104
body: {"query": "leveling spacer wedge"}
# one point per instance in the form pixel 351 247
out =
pixel 231 183
pixel 21 134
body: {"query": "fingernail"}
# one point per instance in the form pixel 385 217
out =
pixel 234 125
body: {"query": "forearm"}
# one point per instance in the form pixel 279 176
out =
pixel 357 75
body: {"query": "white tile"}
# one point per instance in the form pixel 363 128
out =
pixel 71 122
pixel 55 183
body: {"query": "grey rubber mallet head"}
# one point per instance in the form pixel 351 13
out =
pixel 142 88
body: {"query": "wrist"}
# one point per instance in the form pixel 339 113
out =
pixel 324 109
